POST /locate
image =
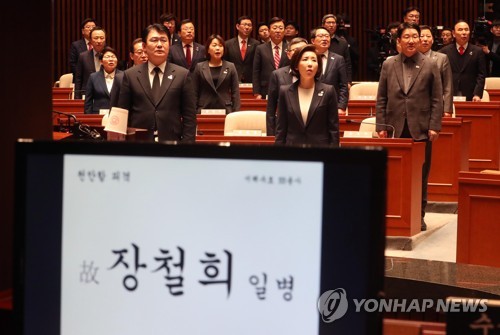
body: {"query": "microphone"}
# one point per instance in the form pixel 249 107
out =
pixel 79 129
pixel 375 123
pixel 69 116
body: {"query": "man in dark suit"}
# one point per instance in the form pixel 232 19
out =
pixel 338 44
pixel 81 45
pixel 188 53
pixel 334 67
pixel 443 64
pixel 169 20
pixel 269 56
pixel 158 94
pixel 468 64
pixel 492 51
pixel 88 61
pixel 240 50
pixel 410 98
pixel 280 77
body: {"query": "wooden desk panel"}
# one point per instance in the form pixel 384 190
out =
pixel 484 149
pixel 68 106
pixel 246 92
pixel 478 232
pixel 361 107
pixel 450 154
pixel 404 182
pixel 210 124
pixel 267 140
pixel 253 104
pixel 494 94
pixel 64 93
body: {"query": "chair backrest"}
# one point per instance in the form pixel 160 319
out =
pixel 492 83
pixel 486 96
pixel 366 90
pixel 66 80
pixel 368 124
pixel 245 120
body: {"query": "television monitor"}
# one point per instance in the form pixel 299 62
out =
pixel 136 238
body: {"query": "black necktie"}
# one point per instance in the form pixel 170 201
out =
pixel 156 84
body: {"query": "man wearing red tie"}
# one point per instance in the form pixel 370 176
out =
pixel 269 56
pixel 188 53
pixel 240 50
pixel 468 64
pixel 83 44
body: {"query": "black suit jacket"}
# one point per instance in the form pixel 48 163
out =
pixel 263 66
pixel 279 78
pixel 336 75
pixel 176 55
pixel 469 70
pixel 322 124
pixel 224 95
pixel 244 67
pixel 340 46
pixel 97 95
pixel 174 115
pixel 494 58
pixel 84 68
pixel 77 47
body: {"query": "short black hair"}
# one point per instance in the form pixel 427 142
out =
pixel 410 9
pixel 209 41
pixel 313 32
pixel 407 25
pixel 292 23
pixel 107 49
pixel 134 42
pixel 157 27
pixel 274 20
pixel 243 17
pixel 294 63
pixel 87 20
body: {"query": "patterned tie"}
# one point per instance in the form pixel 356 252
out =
pixel 156 84
pixel 461 50
pixel 188 55
pixel 243 49
pixel 277 57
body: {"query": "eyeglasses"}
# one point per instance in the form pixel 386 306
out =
pixel 155 40
pixel 322 36
pixel 276 28
pixel 330 23
pixel 246 24
pixel 139 52
pixel 89 27
pixel 187 29
pixel 109 57
pixel 413 16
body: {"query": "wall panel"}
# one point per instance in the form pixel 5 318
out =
pixel 123 20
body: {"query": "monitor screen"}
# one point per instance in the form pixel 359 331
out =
pixel 121 238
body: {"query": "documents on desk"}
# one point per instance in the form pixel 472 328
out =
pixel 213 111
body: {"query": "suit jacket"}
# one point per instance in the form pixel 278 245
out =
pixel 280 77
pixel 322 124
pixel 336 75
pixel 174 115
pixel 444 67
pixel 97 95
pixel 263 66
pixel 77 47
pixel 84 68
pixel 175 39
pixel 340 46
pixel 469 70
pixel 421 104
pixel 226 94
pixel 176 55
pixel 243 66
pixel 494 58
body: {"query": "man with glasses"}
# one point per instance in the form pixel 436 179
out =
pixel 333 65
pixel 81 45
pixel 410 98
pixel 137 54
pixel 338 44
pixel 188 53
pixel 269 56
pixel 240 50
pixel 169 20
pixel 88 61
pixel 158 94
pixel 280 77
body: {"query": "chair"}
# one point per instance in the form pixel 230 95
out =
pixel 245 121
pixel 368 125
pixel 492 83
pixel 66 80
pixel 366 90
pixel 486 96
